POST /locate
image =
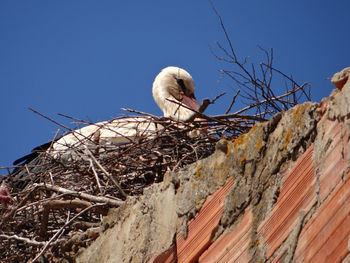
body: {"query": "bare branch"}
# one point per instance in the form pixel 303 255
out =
pixel 256 81
pixel 62 228
pixel 105 172
pixel 23 239
pixel 99 199
pixel 233 102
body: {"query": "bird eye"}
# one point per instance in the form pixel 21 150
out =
pixel 181 83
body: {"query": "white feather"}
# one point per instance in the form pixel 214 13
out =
pixel 121 131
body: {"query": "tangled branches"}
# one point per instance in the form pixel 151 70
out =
pixel 65 197
pixel 259 86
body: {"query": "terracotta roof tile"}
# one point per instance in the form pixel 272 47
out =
pixel 333 163
pixel 232 247
pixel 325 236
pixel 167 257
pixel 298 192
pixel 200 228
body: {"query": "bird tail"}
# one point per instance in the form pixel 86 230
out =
pixel 25 173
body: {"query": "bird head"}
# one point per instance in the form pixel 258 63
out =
pixel 172 88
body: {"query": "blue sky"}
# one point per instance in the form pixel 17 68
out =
pixel 88 59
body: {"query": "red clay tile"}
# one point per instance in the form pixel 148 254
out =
pixel 167 257
pixel 298 192
pixel 232 247
pixel 200 228
pixel 333 162
pixel 325 236
pixel 280 257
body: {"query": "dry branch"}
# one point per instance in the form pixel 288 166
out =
pixel 62 229
pixel 23 239
pixel 92 198
pixel 105 172
pixel 260 86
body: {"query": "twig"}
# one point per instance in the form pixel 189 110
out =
pixel 58 204
pixel 308 96
pixel 62 228
pixel 99 199
pixel 205 103
pixel 75 119
pixel 271 99
pixel 41 201
pixel 216 98
pixel 48 118
pixel 233 102
pixel 96 176
pixel 201 115
pixel 239 116
pixel 105 172
pixel 141 113
pixel 23 239
pixel 255 81
pixel 225 32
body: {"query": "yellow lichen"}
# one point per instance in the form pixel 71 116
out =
pixel 198 203
pixel 255 243
pixel 243 157
pixel 259 145
pixel 198 171
pixel 287 138
pixel 253 128
pixel 228 149
pixel 281 135
pixel 258 127
pixel 298 113
pixel 240 141
pixel 243 140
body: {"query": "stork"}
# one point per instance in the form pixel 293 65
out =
pixel 173 91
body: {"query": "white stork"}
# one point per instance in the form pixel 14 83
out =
pixel 171 85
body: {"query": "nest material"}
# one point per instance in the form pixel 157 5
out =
pixel 61 208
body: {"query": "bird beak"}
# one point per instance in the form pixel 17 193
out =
pixel 191 102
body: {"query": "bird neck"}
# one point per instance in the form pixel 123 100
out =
pixel 176 110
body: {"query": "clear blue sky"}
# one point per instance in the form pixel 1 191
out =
pixel 88 59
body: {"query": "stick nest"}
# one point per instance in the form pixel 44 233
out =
pixel 61 207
